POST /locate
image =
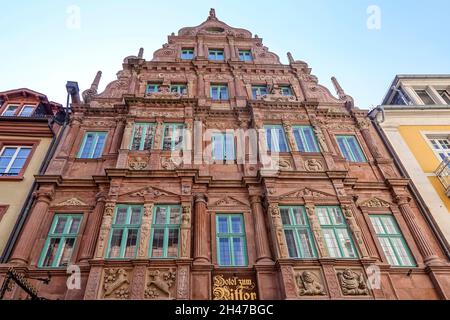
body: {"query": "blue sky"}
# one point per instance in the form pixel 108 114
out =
pixel 40 52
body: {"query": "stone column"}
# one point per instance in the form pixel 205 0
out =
pixel 31 230
pixel 261 239
pixel 280 240
pixel 158 135
pixel 290 136
pixel 429 256
pixel 118 135
pixel 93 228
pixel 68 142
pixel 355 229
pixel 321 138
pixel 105 230
pixel 202 232
pixel 186 232
pixel 364 127
pixel 125 145
pixel 317 230
pixel 144 237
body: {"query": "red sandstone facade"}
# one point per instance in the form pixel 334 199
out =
pixel 94 188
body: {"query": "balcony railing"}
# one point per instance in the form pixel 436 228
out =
pixel 443 174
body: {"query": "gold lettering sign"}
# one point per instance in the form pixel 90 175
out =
pixel 234 287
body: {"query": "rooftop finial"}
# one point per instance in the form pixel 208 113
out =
pixel 92 91
pixel 96 82
pixel 290 57
pixel 141 53
pixel 338 88
pixel 212 14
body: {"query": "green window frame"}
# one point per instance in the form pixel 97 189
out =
pixel 337 236
pixel 276 138
pixel 125 232
pixel 216 54
pixel 391 239
pixel 93 145
pixel 61 240
pixel 245 55
pixel 350 148
pixel 297 232
pixel 187 53
pixel 231 242
pixel 173 136
pixel 223 146
pixel 219 92
pixel 305 138
pixel 165 236
pixel 152 87
pixel 179 88
pixel 143 136
pixel 259 91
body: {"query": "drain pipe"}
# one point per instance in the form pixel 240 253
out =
pixel 373 116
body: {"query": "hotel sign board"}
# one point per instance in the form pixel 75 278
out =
pixel 233 286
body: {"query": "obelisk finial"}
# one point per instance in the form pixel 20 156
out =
pixel 141 53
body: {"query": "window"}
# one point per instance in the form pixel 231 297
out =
pixel 27 111
pixel 173 136
pixel 425 97
pixel 10 110
pixel 216 54
pixel 92 146
pixel 60 242
pixel 275 138
pixel 165 232
pixel 391 240
pixel 441 146
pixel 13 159
pixel 231 243
pixel 187 53
pixel 152 88
pixel 143 135
pixel 219 92
pixel 179 88
pixel 445 95
pixel 297 232
pixel 286 90
pixel 350 149
pixel 125 232
pixel 335 233
pixel 259 91
pixel 223 146
pixel 305 139
pixel 245 55
pixel 400 98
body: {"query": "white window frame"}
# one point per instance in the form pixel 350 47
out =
pixel 25 106
pixel 14 157
pixel 11 105
pixel 433 135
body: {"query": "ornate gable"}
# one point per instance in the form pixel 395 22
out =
pixel 306 192
pixel 149 191
pixel 375 203
pixel 229 201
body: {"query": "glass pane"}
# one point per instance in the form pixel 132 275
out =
pixel 214 93
pixel 88 145
pixel 175 215
pixel 27 111
pixel 161 215
pixel 343 148
pixel 66 252
pixel 239 252
pixel 331 243
pixel 218 147
pixel 229 146
pixel 236 225
pixel 116 240
pixel 298 139
pixel 224 252
pixel 389 225
pixel 167 143
pixel 388 251
pixel 346 243
pixel 402 252
pixel 60 225
pixel 222 224
pixel 356 150
pixel 158 243
pixel 290 242
pixel 178 137
pixel 305 243
pixel 269 139
pixel 376 222
pixel 322 214
pixel 224 93
pixel 121 216
pixel 285 218
pixel 299 216
pixel 51 252
pixel 24 153
pixel 282 141
pixel 135 215
pixel 10 111
pixel 172 246
pixel 310 140
pixel 99 146
pixel 75 226
pixel 336 216
pixel 130 249
pixel 138 131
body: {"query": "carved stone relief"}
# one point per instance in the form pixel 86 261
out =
pixel 352 283
pixel 160 284
pixel 116 284
pixel 309 283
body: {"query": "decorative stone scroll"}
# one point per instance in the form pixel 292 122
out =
pixel 73 202
pixel 138 163
pixel 356 230
pixel 313 165
pixel 279 232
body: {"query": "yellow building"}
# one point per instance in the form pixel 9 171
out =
pixel 29 126
pixel 415 119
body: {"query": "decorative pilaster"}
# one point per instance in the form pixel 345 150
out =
pixel 429 256
pixel 261 239
pixel 290 136
pixel 105 229
pixel 92 228
pixel 127 135
pixel 186 232
pixel 144 237
pixel 364 127
pixel 355 229
pixel 158 135
pixel 317 230
pixel 118 134
pixel 280 240
pixel 28 238
pixel 321 138
pixel 202 232
pixel 74 129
